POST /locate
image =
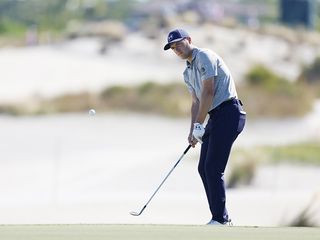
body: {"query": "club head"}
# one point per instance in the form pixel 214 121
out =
pixel 138 214
pixel 135 214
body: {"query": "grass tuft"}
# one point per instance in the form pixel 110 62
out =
pixel 304 218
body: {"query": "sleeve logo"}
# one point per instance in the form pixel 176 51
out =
pixel 203 71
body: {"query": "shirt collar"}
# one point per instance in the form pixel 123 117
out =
pixel 195 50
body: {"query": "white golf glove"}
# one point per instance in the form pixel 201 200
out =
pixel 198 131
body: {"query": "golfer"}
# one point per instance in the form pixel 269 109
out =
pixel 213 93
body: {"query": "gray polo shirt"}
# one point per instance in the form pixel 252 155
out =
pixel 206 64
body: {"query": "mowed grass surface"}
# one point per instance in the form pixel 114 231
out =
pixel 141 232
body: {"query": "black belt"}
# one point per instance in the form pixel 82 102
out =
pixel 227 102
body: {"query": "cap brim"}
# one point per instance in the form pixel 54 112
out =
pixel 168 45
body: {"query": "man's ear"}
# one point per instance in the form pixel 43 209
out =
pixel 189 40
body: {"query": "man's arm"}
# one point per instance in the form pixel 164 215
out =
pixel 194 110
pixel 194 113
pixel 206 99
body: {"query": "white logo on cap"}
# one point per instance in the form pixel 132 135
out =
pixel 170 37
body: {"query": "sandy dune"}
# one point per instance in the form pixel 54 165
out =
pixel 76 65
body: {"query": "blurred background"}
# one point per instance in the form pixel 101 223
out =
pixel 60 58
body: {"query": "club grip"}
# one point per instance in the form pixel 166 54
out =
pixel 187 149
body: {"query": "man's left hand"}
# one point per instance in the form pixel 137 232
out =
pixel 198 131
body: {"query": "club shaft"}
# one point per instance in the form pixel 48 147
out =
pixel 187 149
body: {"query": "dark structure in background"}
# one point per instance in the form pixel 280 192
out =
pixel 298 12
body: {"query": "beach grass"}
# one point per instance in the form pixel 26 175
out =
pixel 300 153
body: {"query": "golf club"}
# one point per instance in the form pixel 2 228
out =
pixel 144 207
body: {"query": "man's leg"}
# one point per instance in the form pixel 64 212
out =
pixel 217 158
pixel 201 166
pixel 222 135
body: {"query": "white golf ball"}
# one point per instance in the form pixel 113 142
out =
pixel 92 112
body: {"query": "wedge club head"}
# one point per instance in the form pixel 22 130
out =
pixel 138 214
pixel 135 214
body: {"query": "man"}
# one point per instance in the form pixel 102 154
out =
pixel 213 92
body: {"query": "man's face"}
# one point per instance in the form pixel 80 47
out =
pixel 182 48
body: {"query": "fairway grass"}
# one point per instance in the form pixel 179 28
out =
pixel 141 232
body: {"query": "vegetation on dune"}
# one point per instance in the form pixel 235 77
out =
pixel 50 15
pixel 266 94
pixel 66 103
pixel 306 152
pixel 311 75
pixel 242 171
pixel 163 99
pixel 170 99
pixel 55 16
pixel 244 162
pixel 305 217
pixel 52 20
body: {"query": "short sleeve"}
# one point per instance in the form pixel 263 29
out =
pixel 207 64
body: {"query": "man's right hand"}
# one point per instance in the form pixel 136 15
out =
pixel 192 140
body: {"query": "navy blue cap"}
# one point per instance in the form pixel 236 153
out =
pixel 175 36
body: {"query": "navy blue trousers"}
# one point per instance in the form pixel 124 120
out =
pixel 224 125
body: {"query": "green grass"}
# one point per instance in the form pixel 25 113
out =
pixel 140 232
